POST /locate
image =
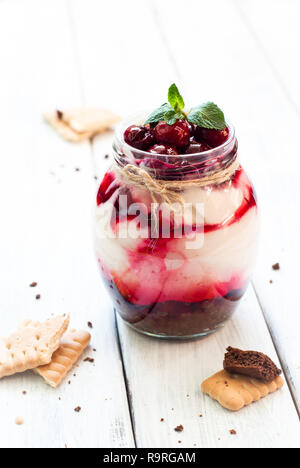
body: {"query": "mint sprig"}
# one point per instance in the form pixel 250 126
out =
pixel 169 111
pixel 175 98
pixel 159 114
pixel 207 115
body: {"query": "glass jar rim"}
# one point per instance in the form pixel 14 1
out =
pixel 139 119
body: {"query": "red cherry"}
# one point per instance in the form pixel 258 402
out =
pixel 163 149
pixel 197 148
pixel 213 137
pixel 177 134
pixel 138 137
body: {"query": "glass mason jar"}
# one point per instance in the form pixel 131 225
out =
pixel 176 237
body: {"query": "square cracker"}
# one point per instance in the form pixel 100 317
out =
pixel 71 347
pixel 235 391
pixel 32 345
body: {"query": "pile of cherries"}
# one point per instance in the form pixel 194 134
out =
pixel 179 138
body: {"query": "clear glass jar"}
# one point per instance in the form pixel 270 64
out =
pixel 173 273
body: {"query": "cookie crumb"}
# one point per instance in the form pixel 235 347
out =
pixel 38 297
pixel 59 114
pixel 90 325
pixel 106 156
pixel 276 266
pixel 78 409
pixel 33 285
pixel 88 359
pixel 271 281
pixel 200 415
pixel 179 428
pixel 161 419
pixel 232 432
pixel 179 441
pixel 19 421
pixel 24 392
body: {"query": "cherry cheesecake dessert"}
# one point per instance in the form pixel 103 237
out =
pixel 176 221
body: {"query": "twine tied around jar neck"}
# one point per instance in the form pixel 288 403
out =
pixel 168 191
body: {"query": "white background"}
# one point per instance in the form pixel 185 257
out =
pixel 123 55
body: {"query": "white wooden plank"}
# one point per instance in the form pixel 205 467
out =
pixel 126 69
pixel 238 76
pixel 46 208
pixel 276 33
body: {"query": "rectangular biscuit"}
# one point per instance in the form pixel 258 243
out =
pixel 71 347
pixel 32 345
pixel 64 130
pixel 234 391
pixel 77 125
pixel 89 120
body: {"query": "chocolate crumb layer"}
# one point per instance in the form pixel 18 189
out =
pixel 251 363
pixel 276 266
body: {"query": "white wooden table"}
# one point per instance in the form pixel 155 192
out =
pixel 243 54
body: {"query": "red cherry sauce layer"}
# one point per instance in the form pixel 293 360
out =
pixel 149 303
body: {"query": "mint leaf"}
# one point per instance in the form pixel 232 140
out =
pixel 172 116
pixel 159 114
pixel 175 98
pixel 208 115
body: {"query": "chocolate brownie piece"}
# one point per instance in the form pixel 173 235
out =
pixel 251 363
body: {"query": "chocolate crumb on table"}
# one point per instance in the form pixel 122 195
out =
pixel 232 432
pixel 59 114
pixel 33 285
pixel 276 266
pixel 90 325
pixel 38 297
pixel 24 392
pixel 251 363
pixel 88 359
pixel 161 419
pixel 78 409
pixel 179 428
